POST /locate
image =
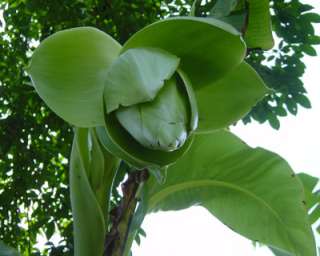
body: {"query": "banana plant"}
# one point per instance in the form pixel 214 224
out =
pixel 161 103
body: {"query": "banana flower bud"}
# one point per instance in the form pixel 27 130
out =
pixel 147 98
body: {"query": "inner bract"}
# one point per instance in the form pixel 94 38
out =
pixel 160 124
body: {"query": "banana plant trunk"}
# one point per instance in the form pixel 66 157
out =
pixel 117 242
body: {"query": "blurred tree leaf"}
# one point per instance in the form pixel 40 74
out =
pixel 7 251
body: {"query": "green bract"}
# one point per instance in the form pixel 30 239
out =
pixel 145 99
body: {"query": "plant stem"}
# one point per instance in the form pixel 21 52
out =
pixel 121 215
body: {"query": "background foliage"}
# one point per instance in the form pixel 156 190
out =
pixel 35 143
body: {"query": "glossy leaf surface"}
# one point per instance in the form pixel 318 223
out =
pixel 137 76
pixel 161 124
pixel 68 70
pixel 234 181
pixel 207 48
pixel 230 98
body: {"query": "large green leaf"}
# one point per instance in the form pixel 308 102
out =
pixel 68 70
pixel 137 76
pixel 208 48
pixel 227 100
pixel 92 171
pixel 253 191
pixel 161 124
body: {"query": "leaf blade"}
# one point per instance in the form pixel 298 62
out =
pixel 230 98
pixel 200 55
pixel 68 70
pixel 233 182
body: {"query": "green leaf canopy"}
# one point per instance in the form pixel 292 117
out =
pixel 253 191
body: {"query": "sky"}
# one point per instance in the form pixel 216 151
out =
pixel 195 231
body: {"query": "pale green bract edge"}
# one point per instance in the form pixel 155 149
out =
pixel 230 98
pixel 90 181
pixel 137 76
pixel 194 116
pixel 118 142
pixel 68 70
pixel 233 182
pixel 208 48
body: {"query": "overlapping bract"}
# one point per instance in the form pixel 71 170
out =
pixel 170 79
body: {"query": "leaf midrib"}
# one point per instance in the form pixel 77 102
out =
pixel 154 199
